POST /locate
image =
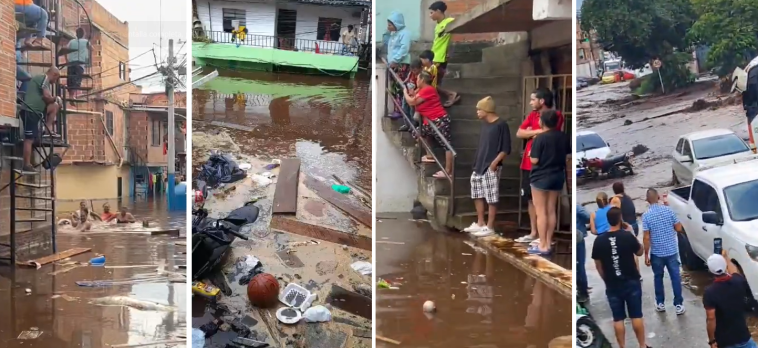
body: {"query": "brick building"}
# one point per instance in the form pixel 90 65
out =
pixel 589 54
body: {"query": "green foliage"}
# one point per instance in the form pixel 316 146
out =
pixel 674 74
pixel 729 27
pixel 639 30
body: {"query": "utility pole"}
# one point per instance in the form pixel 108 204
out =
pixel 171 127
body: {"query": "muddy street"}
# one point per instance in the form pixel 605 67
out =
pixel 481 300
pixel 657 123
pixel 136 297
pixel 261 120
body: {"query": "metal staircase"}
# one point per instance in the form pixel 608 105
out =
pixel 32 194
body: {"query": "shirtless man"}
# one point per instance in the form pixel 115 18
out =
pixel 124 216
pixel 82 218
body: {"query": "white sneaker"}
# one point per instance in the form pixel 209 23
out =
pixel 525 239
pixel 473 228
pixel 660 307
pixel 483 232
pixel 680 309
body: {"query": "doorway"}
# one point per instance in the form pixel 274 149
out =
pixel 119 187
pixel 286 23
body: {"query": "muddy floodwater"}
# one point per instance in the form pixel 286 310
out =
pixel 46 308
pixel 481 300
pixel 324 121
pixel 258 118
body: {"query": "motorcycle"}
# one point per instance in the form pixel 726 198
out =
pixel 212 238
pixel 588 334
pixel 612 167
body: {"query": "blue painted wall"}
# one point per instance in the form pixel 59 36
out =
pixel 411 10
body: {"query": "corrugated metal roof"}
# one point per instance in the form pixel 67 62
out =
pixel 365 3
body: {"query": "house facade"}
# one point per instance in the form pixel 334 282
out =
pixel 282 33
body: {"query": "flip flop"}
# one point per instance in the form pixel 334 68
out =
pixel 452 101
pixel 426 159
pixel 439 175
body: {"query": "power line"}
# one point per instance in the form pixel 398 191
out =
pixel 118 66
pixel 117 86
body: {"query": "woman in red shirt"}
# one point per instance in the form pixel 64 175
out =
pixel 428 105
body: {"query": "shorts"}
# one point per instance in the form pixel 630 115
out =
pixel 74 76
pixel 441 70
pixel 486 185
pixel 635 228
pixel 526 185
pixel 443 124
pixel 553 182
pixel 31 124
pixel 626 299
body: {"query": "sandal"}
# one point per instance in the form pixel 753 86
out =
pixel 439 175
pixel 427 159
pixel 535 250
pixel 450 102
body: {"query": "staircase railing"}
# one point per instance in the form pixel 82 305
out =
pixel 391 76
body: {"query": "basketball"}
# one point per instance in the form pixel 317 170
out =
pixel 263 290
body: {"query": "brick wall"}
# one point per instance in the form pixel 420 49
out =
pixel 456 8
pixel 139 134
pixel 7 59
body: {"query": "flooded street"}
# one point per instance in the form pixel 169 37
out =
pixel 481 300
pixel 657 123
pixel 50 300
pixel 259 119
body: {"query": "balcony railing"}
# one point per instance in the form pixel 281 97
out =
pixel 289 44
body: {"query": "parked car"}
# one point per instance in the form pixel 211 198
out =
pixel 590 145
pixel 703 148
pixel 720 203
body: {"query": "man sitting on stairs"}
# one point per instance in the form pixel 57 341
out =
pixel 38 101
pixel 494 145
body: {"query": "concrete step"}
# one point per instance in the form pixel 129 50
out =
pixel 463 185
pixel 508 201
pixel 505 220
pixel 485 85
pixel 480 69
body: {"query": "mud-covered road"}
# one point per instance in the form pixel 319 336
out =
pixel 657 123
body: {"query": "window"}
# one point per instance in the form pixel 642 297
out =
pixel 718 146
pixel 686 151
pixel 109 122
pixel 590 141
pixel 122 71
pixel 155 133
pixel 679 146
pixel 328 29
pixel 740 200
pixel 581 53
pixel 232 14
pixel 705 197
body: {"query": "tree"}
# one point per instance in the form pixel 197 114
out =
pixel 639 30
pixel 729 27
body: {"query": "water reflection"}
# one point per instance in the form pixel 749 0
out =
pixel 271 115
pixel 50 300
pixel 482 301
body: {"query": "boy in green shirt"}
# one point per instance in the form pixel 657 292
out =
pixel 440 48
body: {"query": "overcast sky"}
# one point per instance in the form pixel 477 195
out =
pixel 151 24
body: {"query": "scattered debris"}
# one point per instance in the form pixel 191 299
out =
pixel 247 342
pixel 350 302
pixel 156 343
pixel 389 242
pixel 363 289
pixel 38 263
pixel 296 296
pixel 387 340
pixel 245 166
pixel 362 267
pixel 418 212
pixel 198 338
pixel 317 314
pixel 263 290
pixel 290 259
pixel 288 315
pixel 291 225
pixel 248 266
pixel 628 122
pixel 285 195
pixel 341 189
pixel 261 180
pixel 219 169
pixel 362 333
pixel 97 261
pixel 28 291
pixel 31 334
pixel 210 328
pixel 342 203
pixel 382 284
pixel 132 302
pixel 639 149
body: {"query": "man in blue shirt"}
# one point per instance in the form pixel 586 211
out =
pixel 582 219
pixel 660 226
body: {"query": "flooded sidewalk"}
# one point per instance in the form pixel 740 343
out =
pixel 138 296
pixel 481 300
pixel 261 120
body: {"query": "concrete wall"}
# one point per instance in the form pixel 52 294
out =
pixel 396 184
pixel 90 181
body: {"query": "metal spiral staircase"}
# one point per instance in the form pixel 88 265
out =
pixel 32 195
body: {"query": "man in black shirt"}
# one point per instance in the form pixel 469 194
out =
pixel 494 145
pixel 614 254
pixel 725 307
pixel 628 211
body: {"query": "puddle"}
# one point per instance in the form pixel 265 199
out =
pixel 481 300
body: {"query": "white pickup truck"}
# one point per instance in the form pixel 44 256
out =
pixel 722 202
pixel 704 148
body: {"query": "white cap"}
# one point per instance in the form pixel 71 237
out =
pixel 716 264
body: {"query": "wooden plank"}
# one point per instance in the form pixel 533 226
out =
pixel 285 196
pixel 290 225
pixel 338 200
pixel 290 259
pixel 349 301
pixel 556 277
pixel 55 257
